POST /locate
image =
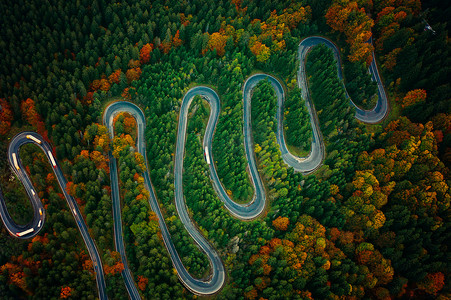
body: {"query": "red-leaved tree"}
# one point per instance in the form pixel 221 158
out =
pixel 6 117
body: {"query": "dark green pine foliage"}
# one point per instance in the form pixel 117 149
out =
pixel 359 85
pixel 327 90
pixel 343 135
pixel 228 149
pixel 297 125
pixel 51 53
pixel 264 103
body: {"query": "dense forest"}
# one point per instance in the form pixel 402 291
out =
pixel 372 222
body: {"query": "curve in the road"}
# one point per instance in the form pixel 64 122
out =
pixel 372 116
pixel 34 227
pixel 217 278
pixel 108 116
pixel 247 211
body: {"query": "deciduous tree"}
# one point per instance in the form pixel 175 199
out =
pixel 6 117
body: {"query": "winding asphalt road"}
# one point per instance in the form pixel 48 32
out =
pixel 108 116
pixel 38 221
pixel 247 211
pixel 217 278
pixel 372 116
pixel 313 161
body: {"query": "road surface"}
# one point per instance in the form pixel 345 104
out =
pixel 372 116
pixel 247 211
pixel 217 278
pixel 34 227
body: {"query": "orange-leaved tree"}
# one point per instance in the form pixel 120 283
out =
pixel 432 283
pixel 133 74
pixel 6 117
pixel 274 28
pixel 261 51
pixel 176 41
pixel 33 118
pixel 281 223
pixel 144 53
pixel 115 76
pixel 113 263
pixel 389 15
pixel 217 41
pixel 347 17
pixel 142 282
pixel 66 291
pixel 414 96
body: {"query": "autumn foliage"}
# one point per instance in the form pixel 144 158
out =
pixel 389 15
pixel 380 268
pixel 390 59
pixel 33 118
pixel 299 250
pixel 39 239
pixel 185 20
pixel 144 53
pixel 105 85
pixel 217 41
pixel 281 223
pixel 14 269
pixel 363 207
pixel 308 247
pixel 113 263
pixel 16 275
pixel 88 265
pixel 101 139
pixel 125 131
pixel 139 159
pixel 115 76
pixel 347 17
pixel 6 117
pixel 126 94
pixel 121 143
pixel 432 283
pixel 165 46
pixel 66 291
pixel 142 282
pixel 274 28
pixel 176 41
pixel 133 74
pixel 128 123
pixel 413 96
pixel 116 268
pixel 29 111
pixel 410 159
pixel 261 51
